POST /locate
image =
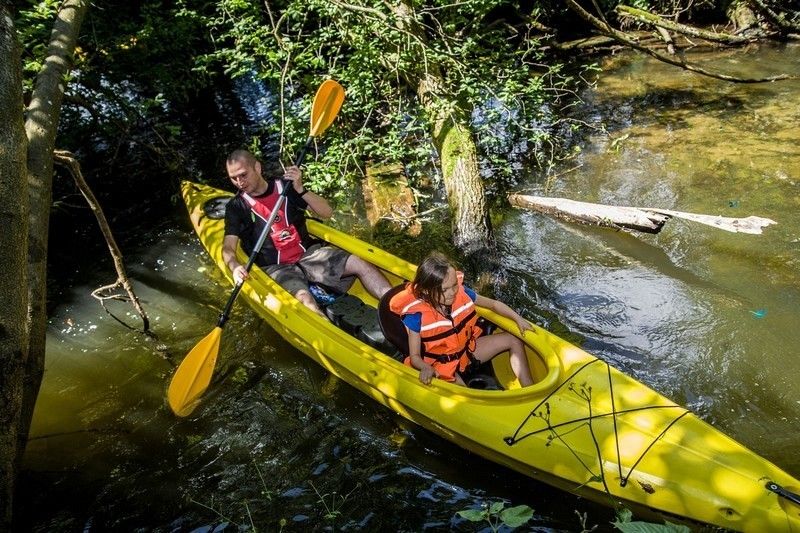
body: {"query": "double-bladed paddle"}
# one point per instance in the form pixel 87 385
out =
pixel 192 377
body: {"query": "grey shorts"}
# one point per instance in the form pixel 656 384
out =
pixel 322 265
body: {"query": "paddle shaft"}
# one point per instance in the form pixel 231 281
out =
pixel 223 317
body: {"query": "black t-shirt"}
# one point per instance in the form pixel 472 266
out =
pixel 243 223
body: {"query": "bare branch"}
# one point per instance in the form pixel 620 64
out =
pixel 653 19
pixel 622 37
pixel 68 160
pixel 777 18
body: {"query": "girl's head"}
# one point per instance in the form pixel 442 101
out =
pixel 436 281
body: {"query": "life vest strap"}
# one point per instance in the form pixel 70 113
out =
pixel 447 357
pixel 457 328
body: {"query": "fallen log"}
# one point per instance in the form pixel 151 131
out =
pixel 645 219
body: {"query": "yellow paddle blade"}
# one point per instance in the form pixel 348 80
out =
pixel 194 374
pixel 327 103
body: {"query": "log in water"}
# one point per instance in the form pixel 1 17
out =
pixel 645 219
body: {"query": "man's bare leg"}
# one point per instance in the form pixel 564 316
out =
pixel 372 279
pixel 308 300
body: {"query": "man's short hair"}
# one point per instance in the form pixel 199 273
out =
pixel 243 156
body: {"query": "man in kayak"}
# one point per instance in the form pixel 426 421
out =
pixel 444 341
pixel 289 254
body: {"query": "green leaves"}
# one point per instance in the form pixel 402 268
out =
pixel 645 527
pixel 474 515
pixel 372 48
pixel 496 515
pixel 625 524
pixel 516 516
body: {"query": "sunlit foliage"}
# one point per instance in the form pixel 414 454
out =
pixel 492 60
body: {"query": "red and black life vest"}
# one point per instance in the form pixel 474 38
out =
pixel 285 237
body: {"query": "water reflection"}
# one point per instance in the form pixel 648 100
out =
pixel 704 316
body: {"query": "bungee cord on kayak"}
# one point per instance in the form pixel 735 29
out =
pixel 535 413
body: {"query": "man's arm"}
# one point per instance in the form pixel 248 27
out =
pixel 316 203
pixel 229 245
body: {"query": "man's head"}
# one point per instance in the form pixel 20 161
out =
pixel 244 171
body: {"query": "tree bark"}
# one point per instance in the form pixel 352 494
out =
pixel 13 260
pixel 453 139
pixel 742 16
pixel 41 126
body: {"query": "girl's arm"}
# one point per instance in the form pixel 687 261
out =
pixel 503 310
pixel 426 371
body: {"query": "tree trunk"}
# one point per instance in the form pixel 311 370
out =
pixel 742 16
pixel 41 125
pixel 466 197
pixel 453 139
pixel 13 260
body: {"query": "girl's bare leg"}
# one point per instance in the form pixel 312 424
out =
pixel 489 346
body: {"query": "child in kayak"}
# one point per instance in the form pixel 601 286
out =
pixel 444 340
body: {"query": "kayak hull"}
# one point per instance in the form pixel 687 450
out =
pixel 583 426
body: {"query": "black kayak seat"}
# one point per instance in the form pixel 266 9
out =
pixel 353 316
pixel 391 324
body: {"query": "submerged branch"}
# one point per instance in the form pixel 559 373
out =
pixel 68 160
pixel 655 20
pixel 623 37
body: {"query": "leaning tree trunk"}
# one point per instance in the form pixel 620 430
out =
pixel 41 125
pixel 459 159
pixel 453 139
pixel 13 260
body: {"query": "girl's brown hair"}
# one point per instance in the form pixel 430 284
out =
pixel 427 284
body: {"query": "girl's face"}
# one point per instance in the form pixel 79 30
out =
pixel 449 287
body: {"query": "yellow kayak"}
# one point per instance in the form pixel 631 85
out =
pixel 583 426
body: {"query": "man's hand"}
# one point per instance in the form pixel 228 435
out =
pixel 240 274
pixel 294 175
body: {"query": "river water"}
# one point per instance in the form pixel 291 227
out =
pixel 706 317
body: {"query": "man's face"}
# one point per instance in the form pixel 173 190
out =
pixel 245 176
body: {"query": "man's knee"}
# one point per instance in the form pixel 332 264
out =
pixel 305 296
pixel 355 265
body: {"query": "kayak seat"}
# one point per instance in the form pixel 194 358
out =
pixel 392 325
pixel 359 320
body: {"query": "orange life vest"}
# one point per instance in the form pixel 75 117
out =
pixel 447 342
pixel 285 238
